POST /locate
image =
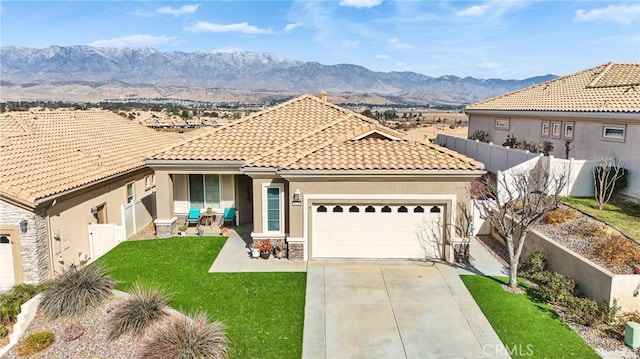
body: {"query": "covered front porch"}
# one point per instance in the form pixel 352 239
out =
pixel 210 192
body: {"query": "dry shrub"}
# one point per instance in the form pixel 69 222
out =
pixel 72 332
pixel 624 318
pixel 592 228
pixel 144 307
pixel 561 215
pixel 617 250
pixel 186 338
pixel 36 342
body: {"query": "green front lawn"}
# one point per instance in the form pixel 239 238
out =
pixel 622 215
pixel 263 312
pixel 527 328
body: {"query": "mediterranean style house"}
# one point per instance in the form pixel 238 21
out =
pixel 331 182
pixel 587 114
pixel 59 172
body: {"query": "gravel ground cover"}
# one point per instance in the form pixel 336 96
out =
pixel 92 343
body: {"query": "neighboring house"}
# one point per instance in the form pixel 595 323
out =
pixel 331 182
pixel 59 172
pixel 597 109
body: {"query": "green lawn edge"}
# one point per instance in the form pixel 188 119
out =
pixel 263 312
pixel 622 215
pixel 526 327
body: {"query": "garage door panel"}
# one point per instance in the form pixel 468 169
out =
pixel 397 232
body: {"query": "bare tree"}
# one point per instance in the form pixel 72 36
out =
pixel 606 173
pixel 513 202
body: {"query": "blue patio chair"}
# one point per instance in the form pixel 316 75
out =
pixel 229 216
pixel 194 216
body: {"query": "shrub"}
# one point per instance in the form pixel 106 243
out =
pixel 617 250
pixel 76 290
pixel 36 342
pixel 480 136
pixel 11 301
pixel 609 314
pixel 4 331
pixel 144 307
pixel 557 288
pixel 534 265
pixel 583 310
pixel 592 228
pixel 546 147
pixel 511 141
pixel 72 332
pixel 561 215
pixel 624 318
pixel 183 337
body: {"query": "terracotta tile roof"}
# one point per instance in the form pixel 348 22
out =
pixel 382 154
pixel 611 87
pixel 307 133
pixel 46 153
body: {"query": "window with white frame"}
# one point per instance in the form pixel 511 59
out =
pixel 556 128
pixel 273 208
pixel 204 191
pixel 544 130
pixel 614 132
pixel 502 124
pixel 130 192
pixel 567 130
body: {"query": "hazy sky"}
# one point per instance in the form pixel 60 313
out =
pixel 484 39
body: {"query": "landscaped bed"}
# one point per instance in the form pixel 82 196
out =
pixel 263 313
pixel 592 239
pixel 527 328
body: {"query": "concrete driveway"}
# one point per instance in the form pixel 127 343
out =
pixel 360 309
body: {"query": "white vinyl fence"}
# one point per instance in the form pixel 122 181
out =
pixel 138 214
pixel 103 237
pixel 504 161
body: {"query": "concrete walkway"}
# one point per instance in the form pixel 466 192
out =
pixel 235 256
pixel 482 262
pixel 361 309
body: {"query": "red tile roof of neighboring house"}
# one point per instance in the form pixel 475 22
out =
pixel 611 87
pixel 45 153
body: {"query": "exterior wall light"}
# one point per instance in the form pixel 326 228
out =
pixel 23 226
pixel 296 198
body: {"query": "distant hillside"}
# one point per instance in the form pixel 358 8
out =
pixel 29 73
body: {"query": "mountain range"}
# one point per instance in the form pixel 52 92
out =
pixel 78 72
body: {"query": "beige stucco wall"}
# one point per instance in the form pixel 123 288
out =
pixel 587 139
pixel 593 281
pixel 70 215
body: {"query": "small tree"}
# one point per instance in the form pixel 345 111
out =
pixel 513 202
pixel 608 176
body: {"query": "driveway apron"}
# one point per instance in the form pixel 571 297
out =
pixel 392 310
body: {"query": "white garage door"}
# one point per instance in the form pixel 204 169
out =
pixel 7 274
pixel 377 231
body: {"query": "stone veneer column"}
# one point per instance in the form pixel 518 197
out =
pixel 296 251
pixel 34 244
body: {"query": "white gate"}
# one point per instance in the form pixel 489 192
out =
pixel 103 237
pixel 7 274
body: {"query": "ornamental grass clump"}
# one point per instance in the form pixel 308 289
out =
pixel 186 338
pixel 36 342
pixel 144 307
pixel 76 290
pixel 561 215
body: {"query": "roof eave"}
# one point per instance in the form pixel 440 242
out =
pixel 567 114
pixel 381 173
